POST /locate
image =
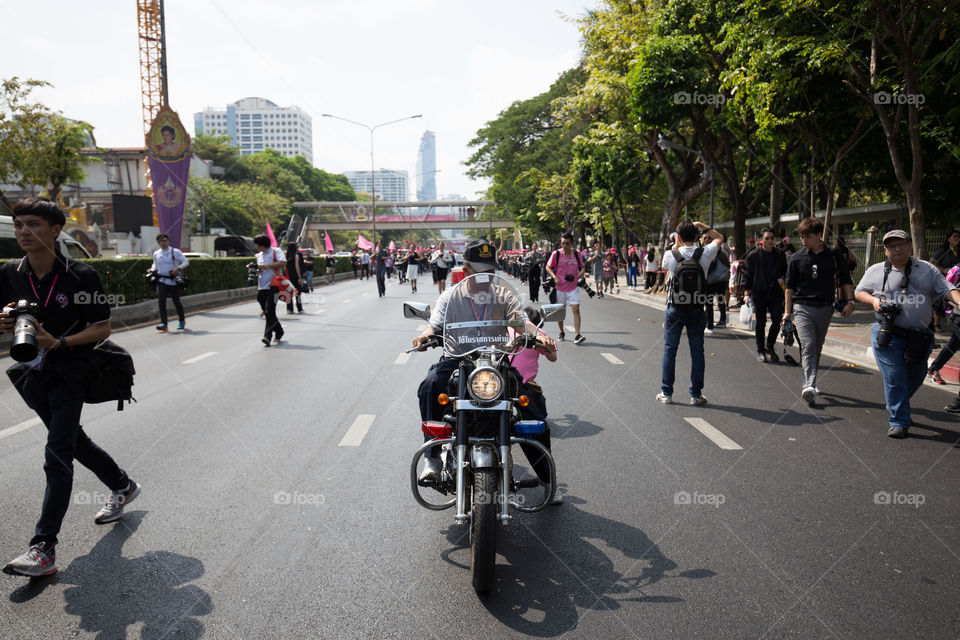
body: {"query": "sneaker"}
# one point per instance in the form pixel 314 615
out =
pixel 266 341
pixel 181 326
pixel 37 561
pixel 579 339
pixel 720 325
pixel 773 356
pixel 897 431
pixel 935 374
pixel 112 511
pixel 560 337
pixel 763 357
pixel 809 395
pixel 430 476
pixel 954 406
pixel 708 332
pixel 663 398
pixel 278 337
pixel 161 327
pixel 699 401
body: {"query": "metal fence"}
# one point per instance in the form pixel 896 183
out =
pixel 935 238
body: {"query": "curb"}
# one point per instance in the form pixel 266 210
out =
pixel 844 341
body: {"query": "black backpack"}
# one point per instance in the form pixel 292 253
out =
pixel 110 374
pixel 688 289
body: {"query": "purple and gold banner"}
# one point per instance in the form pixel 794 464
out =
pixel 168 156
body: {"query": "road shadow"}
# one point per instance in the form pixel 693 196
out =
pixel 292 346
pixel 621 346
pixel 783 417
pixel 111 593
pixel 550 566
pixel 571 426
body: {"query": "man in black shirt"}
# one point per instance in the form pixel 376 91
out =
pixel 764 269
pixel 73 316
pixel 811 275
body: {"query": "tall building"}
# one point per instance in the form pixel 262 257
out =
pixel 427 168
pixel 391 184
pixel 255 124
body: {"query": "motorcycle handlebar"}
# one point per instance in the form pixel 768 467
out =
pixel 432 342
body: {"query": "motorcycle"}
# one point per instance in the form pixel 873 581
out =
pixel 484 325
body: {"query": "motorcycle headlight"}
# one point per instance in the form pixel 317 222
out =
pixel 485 384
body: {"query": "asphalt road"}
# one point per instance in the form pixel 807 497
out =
pixel 258 521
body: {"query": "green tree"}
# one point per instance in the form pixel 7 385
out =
pixel 241 208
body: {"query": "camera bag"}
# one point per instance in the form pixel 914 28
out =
pixel 110 375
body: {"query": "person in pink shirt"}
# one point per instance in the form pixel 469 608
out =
pixel 527 364
pixel 566 267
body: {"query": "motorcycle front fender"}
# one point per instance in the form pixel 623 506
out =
pixel 484 456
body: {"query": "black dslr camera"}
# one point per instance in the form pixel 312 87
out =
pixel 24 346
pixel 548 284
pixel 253 274
pixel 888 312
pixel 582 283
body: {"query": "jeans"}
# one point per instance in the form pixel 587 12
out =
pixel 308 280
pixel 812 323
pixel 900 380
pixel 164 290
pixel 631 276
pixel 381 282
pixel 774 307
pixel 673 324
pixel 59 409
pixel 268 302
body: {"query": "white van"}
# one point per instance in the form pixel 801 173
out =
pixel 10 249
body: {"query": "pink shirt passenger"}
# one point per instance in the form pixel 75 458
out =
pixel 527 361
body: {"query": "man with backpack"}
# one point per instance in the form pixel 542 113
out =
pixel 718 280
pixel 566 268
pixel 75 316
pixel 687 265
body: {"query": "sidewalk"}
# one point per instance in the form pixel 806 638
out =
pixel 847 338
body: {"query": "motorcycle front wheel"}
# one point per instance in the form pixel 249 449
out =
pixel 483 529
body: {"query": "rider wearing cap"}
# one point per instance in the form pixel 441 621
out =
pixel 478 257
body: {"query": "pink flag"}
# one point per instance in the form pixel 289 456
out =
pixel 328 244
pixel 363 243
pixel 273 239
pixel 393 247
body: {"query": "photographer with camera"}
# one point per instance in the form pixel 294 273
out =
pixel 566 268
pixel 59 311
pixel 812 276
pixel 902 291
pixel 168 263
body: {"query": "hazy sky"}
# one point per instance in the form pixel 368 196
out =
pixel 457 63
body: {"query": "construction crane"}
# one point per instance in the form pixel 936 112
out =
pixel 153 69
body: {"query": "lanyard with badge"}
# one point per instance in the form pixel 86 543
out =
pixel 37 363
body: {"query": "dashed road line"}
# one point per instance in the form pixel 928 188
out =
pixel 715 435
pixel 357 430
pixel 319 311
pixel 23 426
pixel 346 301
pixel 402 358
pixel 612 358
pixel 202 356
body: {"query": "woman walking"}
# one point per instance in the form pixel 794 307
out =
pixel 414 260
pixel 295 274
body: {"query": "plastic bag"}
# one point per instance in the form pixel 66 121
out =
pixel 746 315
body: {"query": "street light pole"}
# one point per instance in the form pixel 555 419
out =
pixel 373 166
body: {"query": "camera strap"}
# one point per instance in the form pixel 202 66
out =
pixel 887 267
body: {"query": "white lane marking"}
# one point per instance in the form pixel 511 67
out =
pixel 319 311
pixel 422 327
pixel 612 358
pixel 23 426
pixel 715 435
pixel 366 294
pixel 402 358
pixel 202 356
pixel 346 301
pixel 357 430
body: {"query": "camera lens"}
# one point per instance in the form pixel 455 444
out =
pixel 24 347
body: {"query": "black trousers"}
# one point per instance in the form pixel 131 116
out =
pixel 773 306
pixel 268 302
pixel 534 287
pixel 164 290
pixel 381 282
pixel 718 291
pixel 58 406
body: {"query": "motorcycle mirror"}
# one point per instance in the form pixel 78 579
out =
pixel 553 312
pixel 416 310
